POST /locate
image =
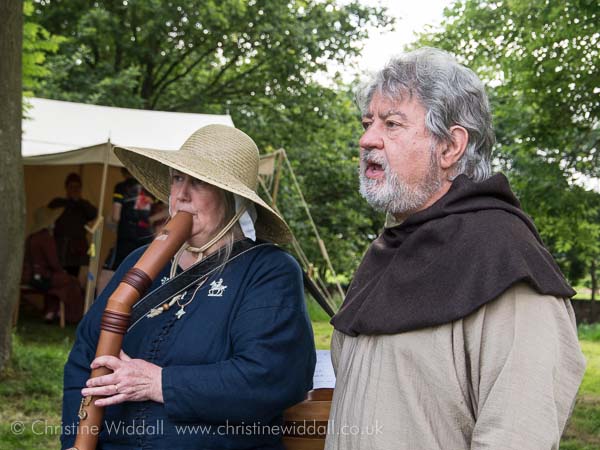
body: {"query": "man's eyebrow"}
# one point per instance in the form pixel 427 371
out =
pixel 368 115
pixel 393 112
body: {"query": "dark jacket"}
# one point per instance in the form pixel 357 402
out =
pixel 239 359
pixel 69 231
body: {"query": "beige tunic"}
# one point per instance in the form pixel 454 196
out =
pixel 503 378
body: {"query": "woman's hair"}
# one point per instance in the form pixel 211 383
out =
pixel 451 95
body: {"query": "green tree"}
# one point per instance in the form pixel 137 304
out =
pixel 255 59
pixel 540 61
pixel 320 134
pixel 192 55
pixel 37 43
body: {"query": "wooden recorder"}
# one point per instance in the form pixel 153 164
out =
pixel 309 417
pixel 115 319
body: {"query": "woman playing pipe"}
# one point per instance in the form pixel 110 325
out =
pixel 215 365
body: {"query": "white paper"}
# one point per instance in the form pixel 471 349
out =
pixel 324 376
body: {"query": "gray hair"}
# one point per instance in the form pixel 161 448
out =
pixel 450 93
pixel 236 230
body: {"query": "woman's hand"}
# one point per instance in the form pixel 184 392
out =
pixel 132 380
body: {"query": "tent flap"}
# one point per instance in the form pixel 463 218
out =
pixel 88 155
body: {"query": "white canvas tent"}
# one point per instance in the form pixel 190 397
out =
pixel 53 127
pixel 63 137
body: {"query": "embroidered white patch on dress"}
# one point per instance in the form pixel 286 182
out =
pixel 216 288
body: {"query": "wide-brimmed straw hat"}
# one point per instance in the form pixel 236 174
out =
pixel 44 217
pixel 216 154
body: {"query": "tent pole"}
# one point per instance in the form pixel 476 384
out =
pixel 104 177
pixel 277 176
pixel 314 226
pixel 96 230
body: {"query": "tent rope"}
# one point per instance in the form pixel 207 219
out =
pixel 314 226
pixel 304 261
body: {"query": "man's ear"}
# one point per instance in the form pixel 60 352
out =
pixel 455 148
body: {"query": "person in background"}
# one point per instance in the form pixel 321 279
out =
pixel 457 331
pixel 70 233
pixel 131 211
pixel 43 272
pixel 137 216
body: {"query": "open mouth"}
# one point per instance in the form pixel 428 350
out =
pixel 374 170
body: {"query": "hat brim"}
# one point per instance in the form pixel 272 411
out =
pixel 48 219
pixel 151 168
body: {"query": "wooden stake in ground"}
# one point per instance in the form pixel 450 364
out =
pixel 12 212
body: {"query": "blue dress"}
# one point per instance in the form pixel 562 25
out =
pixel 241 354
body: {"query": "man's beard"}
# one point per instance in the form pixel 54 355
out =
pixel 392 195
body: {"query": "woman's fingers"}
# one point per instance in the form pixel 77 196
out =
pixel 102 380
pixel 131 380
pixel 111 362
pixel 104 390
pixel 113 400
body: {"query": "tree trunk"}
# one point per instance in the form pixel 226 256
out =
pixel 12 193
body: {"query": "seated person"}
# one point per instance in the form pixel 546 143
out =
pixel 42 269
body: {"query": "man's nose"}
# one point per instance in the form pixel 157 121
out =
pixel 371 139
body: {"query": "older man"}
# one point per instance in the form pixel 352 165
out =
pixel 457 332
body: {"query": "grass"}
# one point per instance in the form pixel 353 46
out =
pixel 31 386
pixel 320 322
pixel 322 332
pixel 589 336
pixel 583 430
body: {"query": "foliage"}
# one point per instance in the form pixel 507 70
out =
pixel 256 59
pixel 37 43
pixel 191 55
pixel 324 155
pixel 540 61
